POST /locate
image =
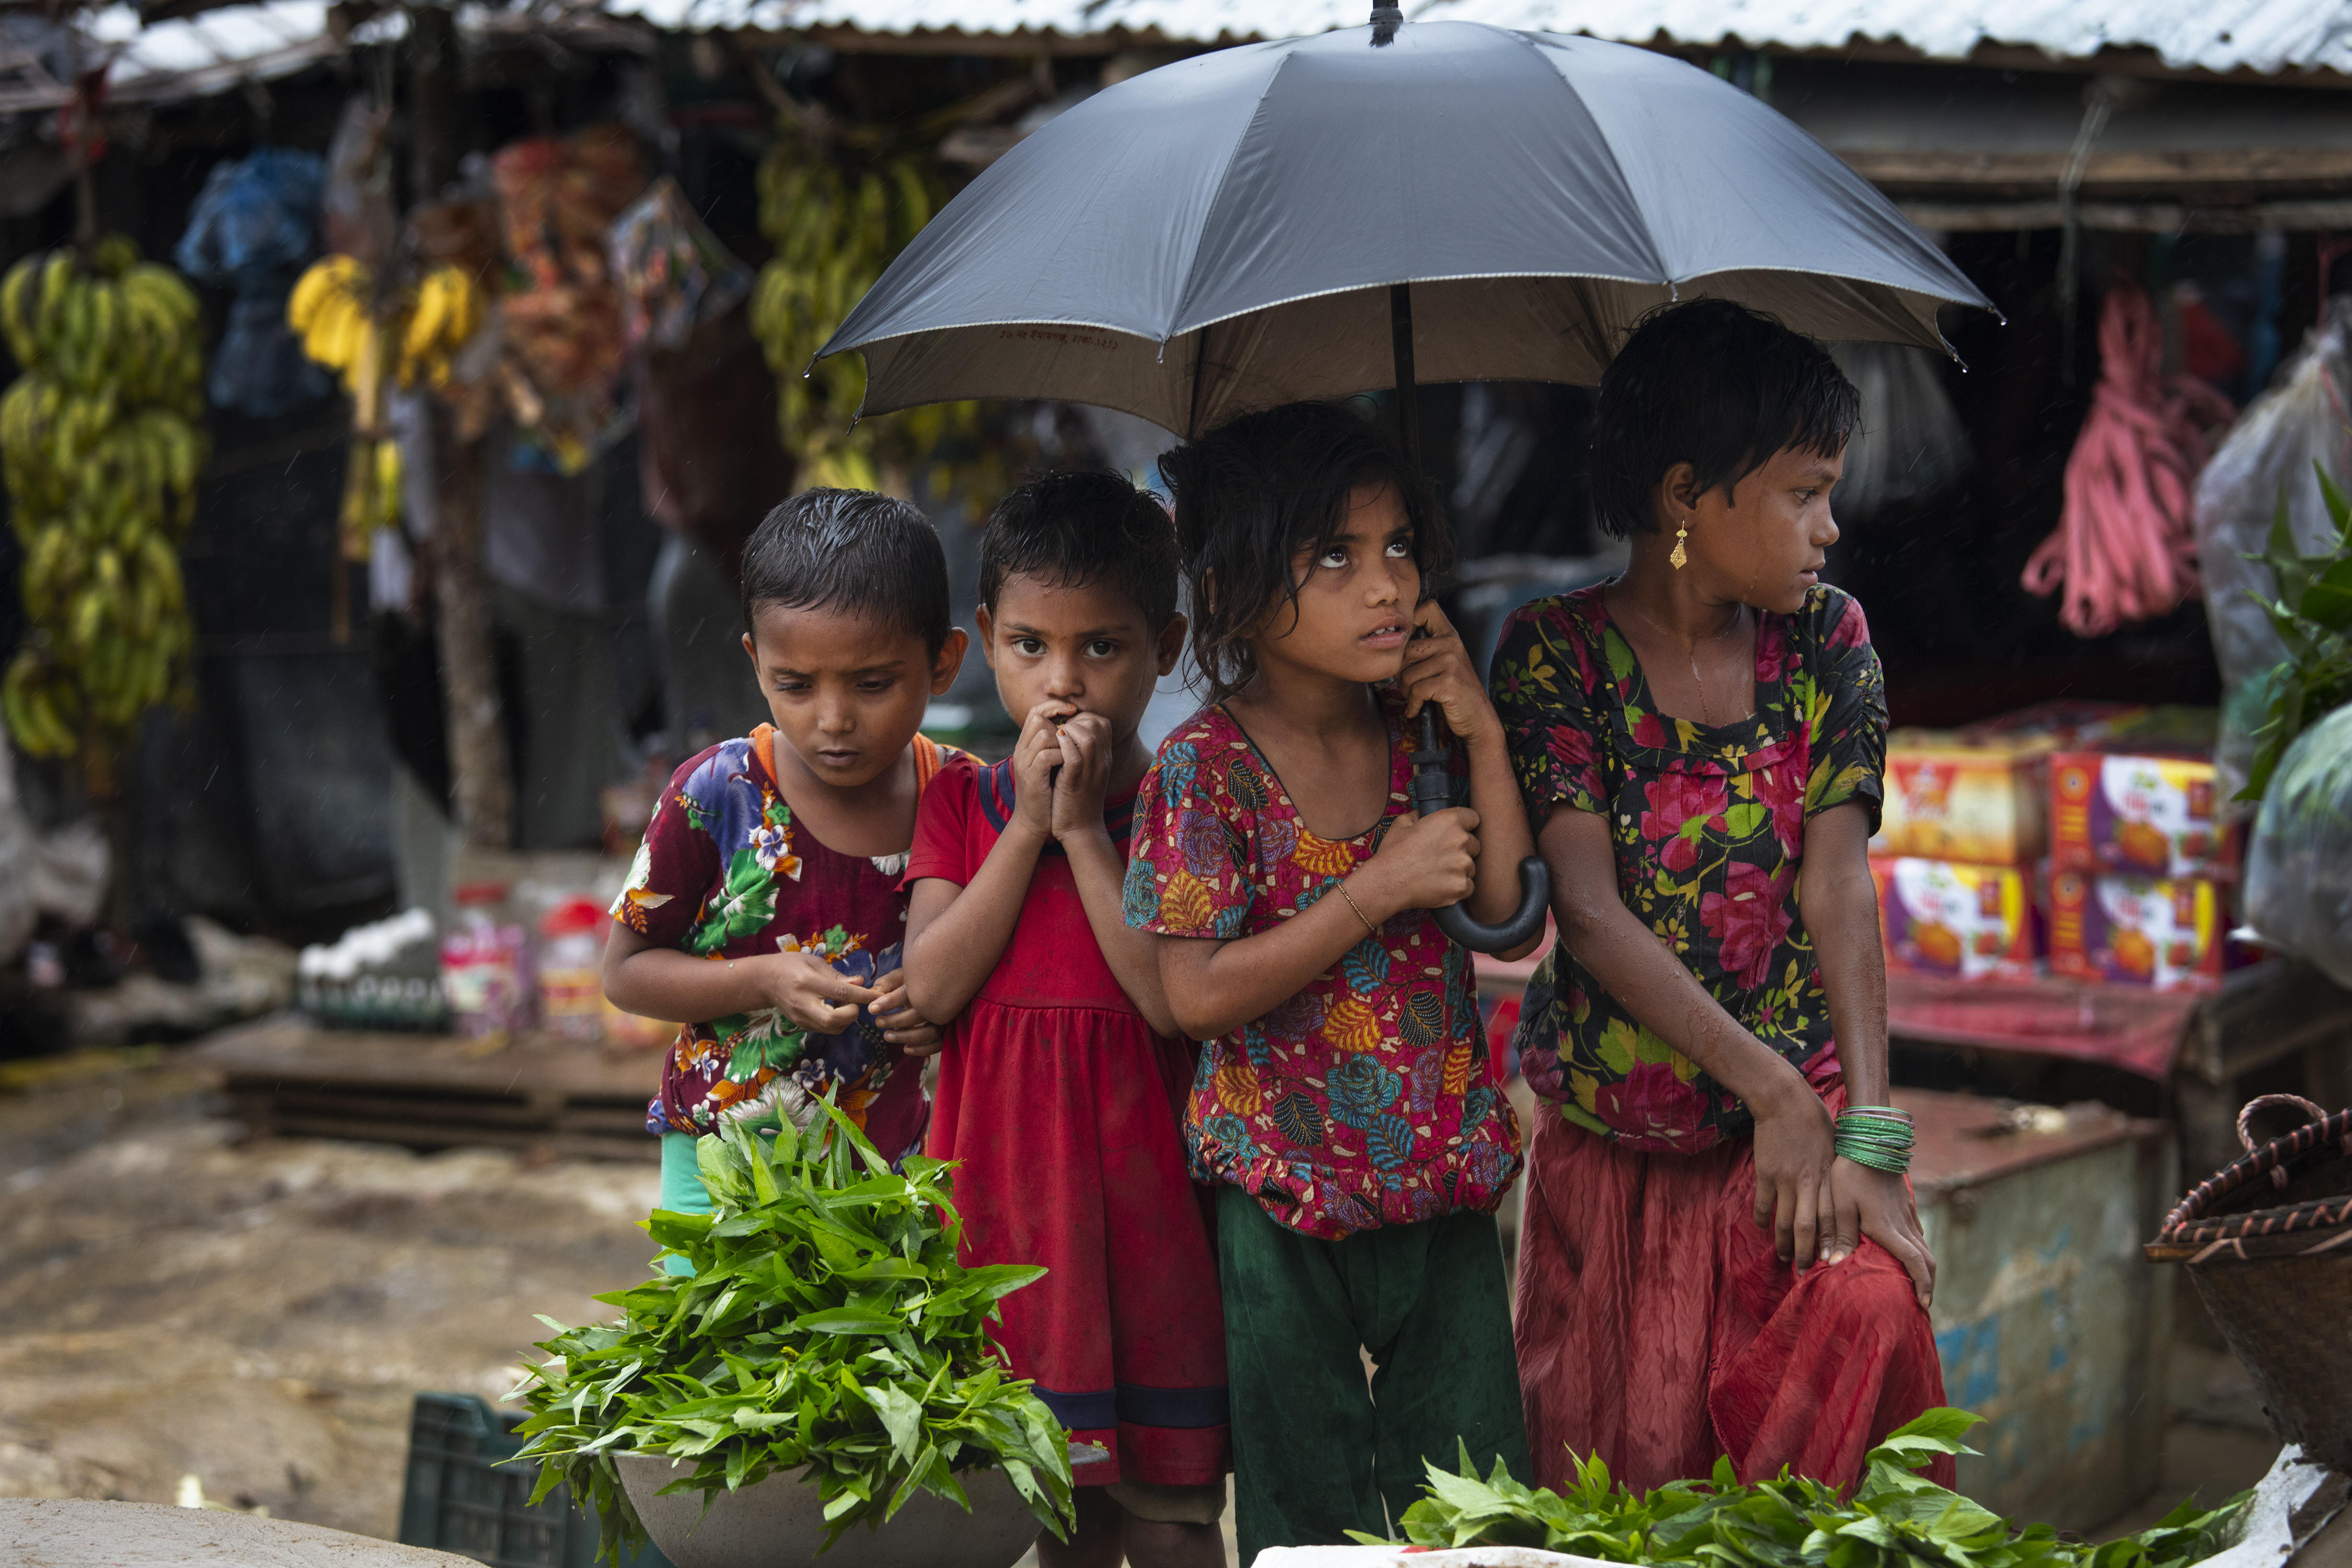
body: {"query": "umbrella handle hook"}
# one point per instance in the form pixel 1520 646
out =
pixel 1430 792
pixel 1386 20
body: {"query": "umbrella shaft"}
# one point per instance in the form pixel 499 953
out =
pixel 1408 399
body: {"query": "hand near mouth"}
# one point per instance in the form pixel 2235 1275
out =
pixel 1085 776
pixel 1437 670
pixel 1036 757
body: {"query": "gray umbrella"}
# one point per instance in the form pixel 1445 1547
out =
pixel 1306 219
pixel 1222 234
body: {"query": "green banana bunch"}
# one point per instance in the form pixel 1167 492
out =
pixel 100 450
pixel 837 218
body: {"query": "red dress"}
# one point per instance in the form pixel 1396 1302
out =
pixel 1062 1108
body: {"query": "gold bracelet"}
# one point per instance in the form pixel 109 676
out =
pixel 1368 926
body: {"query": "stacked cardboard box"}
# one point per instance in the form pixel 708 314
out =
pixel 2090 833
pixel 1966 819
pixel 2140 868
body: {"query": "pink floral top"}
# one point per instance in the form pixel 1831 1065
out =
pixel 1367 1100
pixel 1709 827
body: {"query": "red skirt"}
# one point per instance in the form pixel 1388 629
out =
pixel 1065 1122
pixel 1658 1328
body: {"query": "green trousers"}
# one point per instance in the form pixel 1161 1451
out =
pixel 1316 1450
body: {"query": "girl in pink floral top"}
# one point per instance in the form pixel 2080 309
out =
pixel 1702 1275
pixel 1344 1104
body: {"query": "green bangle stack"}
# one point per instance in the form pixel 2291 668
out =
pixel 1877 1136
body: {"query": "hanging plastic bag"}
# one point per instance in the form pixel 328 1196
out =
pixel 673 273
pixel 2299 858
pixel 254 225
pixel 1911 447
pixel 2305 418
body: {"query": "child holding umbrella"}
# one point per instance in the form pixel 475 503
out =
pixel 1344 1107
pixel 1721 1254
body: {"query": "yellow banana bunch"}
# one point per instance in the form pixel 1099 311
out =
pixel 100 453
pixel 449 311
pixel 333 311
pixel 837 220
pixel 336 310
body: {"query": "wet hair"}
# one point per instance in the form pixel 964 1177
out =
pixel 1718 387
pixel 1252 494
pixel 855 552
pixel 1074 530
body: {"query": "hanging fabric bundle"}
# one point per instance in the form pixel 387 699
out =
pixel 2124 549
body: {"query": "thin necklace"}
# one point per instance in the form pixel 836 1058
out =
pixel 1706 707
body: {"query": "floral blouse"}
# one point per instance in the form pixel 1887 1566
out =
pixel 725 872
pixel 1367 1100
pixel 1709 826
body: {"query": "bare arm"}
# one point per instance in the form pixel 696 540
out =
pixel 1215 987
pixel 1101 870
pixel 1792 1127
pixel 1839 904
pixel 643 977
pixel 955 934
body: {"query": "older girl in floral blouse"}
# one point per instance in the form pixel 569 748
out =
pixel 1703 1271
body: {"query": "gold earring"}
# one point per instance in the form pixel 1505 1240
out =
pixel 1681 557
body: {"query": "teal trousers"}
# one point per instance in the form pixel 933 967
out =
pixel 682 1191
pixel 1319 1451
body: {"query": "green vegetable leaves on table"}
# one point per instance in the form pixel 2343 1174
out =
pixel 1895 1519
pixel 826 1324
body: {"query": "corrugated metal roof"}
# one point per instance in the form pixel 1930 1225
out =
pixel 2210 35
pixel 217 48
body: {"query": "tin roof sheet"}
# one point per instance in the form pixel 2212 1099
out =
pixel 2265 35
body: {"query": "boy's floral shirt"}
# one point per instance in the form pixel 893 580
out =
pixel 724 872
pixel 1709 826
pixel 1367 1100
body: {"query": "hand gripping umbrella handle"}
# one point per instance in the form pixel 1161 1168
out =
pixel 1430 792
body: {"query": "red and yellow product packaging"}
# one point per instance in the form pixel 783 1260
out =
pixel 1958 921
pixel 1981 795
pixel 2162 933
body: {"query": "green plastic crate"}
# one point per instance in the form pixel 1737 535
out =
pixel 459 1498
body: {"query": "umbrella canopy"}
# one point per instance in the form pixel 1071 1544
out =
pixel 1220 235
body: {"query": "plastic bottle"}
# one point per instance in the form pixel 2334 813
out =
pixel 483 968
pixel 571 960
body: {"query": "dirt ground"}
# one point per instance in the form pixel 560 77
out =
pixel 174 1303
pixel 258 1316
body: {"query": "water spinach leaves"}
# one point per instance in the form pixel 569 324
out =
pixel 826 1324
pixel 1895 1519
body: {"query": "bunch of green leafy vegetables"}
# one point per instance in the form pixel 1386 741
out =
pixel 826 1324
pixel 1895 1518
pixel 2312 613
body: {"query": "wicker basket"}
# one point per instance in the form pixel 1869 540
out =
pixel 2278 1279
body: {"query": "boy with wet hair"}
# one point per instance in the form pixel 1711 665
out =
pixel 763 910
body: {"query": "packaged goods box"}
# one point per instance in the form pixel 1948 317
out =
pixel 2135 815
pixel 1981 795
pixel 2163 934
pixel 1953 921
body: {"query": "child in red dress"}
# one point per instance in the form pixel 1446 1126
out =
pixel 1062 1078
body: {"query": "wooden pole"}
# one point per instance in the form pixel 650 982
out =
pixel 482 777
pixel 481 774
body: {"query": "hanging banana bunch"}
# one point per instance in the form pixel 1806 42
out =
pixel 837 216
pixel 367 340
pixel 101 447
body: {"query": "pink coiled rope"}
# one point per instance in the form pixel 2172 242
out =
pixel 2126 547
